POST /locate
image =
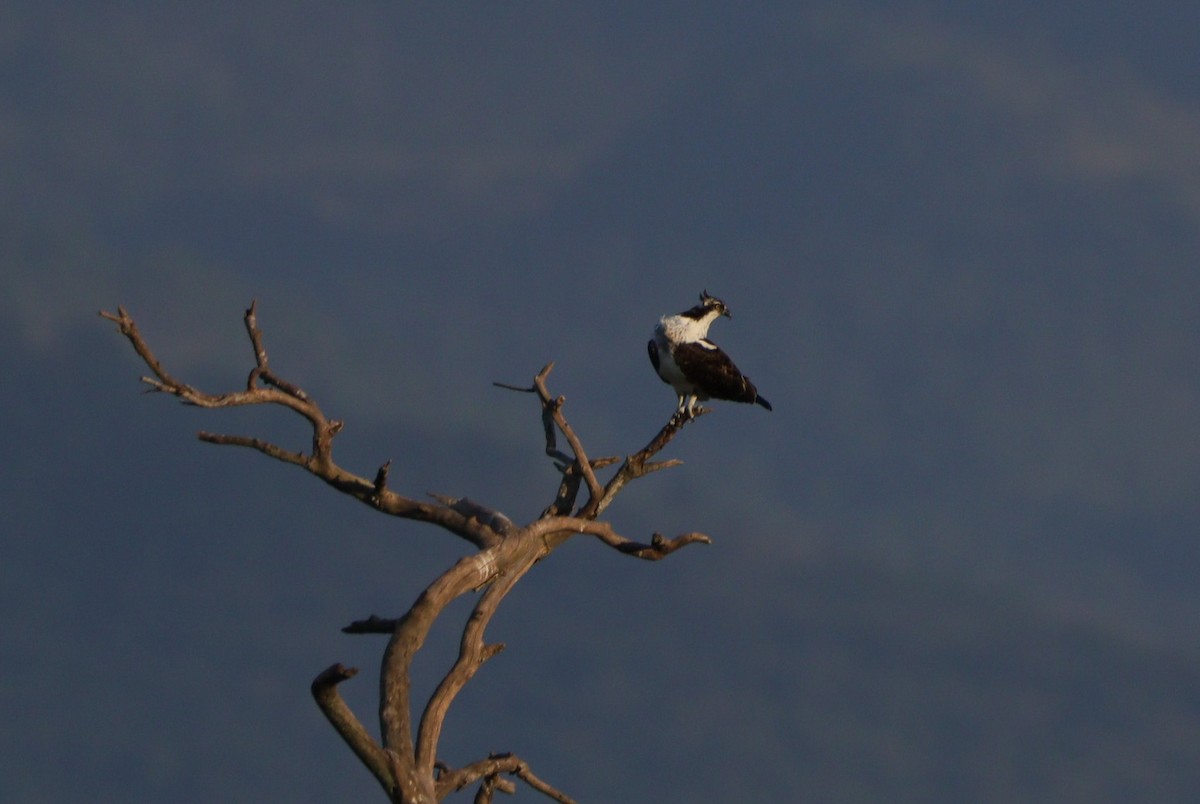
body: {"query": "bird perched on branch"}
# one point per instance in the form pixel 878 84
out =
pixel 693 365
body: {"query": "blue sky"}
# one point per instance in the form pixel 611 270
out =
pixel 959 245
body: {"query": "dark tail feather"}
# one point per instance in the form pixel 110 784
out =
pixel 762 402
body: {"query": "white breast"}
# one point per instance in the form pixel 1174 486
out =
pixel 668 370
pixel 681 329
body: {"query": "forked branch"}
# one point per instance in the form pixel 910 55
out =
pixel 579 467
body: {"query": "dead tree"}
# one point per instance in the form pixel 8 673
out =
pixel 404 760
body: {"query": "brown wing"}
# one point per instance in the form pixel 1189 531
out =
pixel 713 373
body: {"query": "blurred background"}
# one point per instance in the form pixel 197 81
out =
pixel 958 562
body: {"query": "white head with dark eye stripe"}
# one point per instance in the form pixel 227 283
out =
pixel 692 324
pixel 710 307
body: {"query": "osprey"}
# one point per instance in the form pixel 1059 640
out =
pixel 693 365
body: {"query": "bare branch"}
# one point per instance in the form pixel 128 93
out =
pixel 127 327
pixel 552 449
pixel 265 447
pixel 325 692
pixel 526 775
pixel 553 406
pixel 490 770
pixel 381 477
pixel 556 530
pixel 408 635
pixel 262 370
pixel 472 510
pixel 320 462
pixel 472 653
pixel 580 469
pixel 518 388
pixel 372 625
pixel 568 489
pixel 637 465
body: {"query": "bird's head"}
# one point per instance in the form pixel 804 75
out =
pixel 713 303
